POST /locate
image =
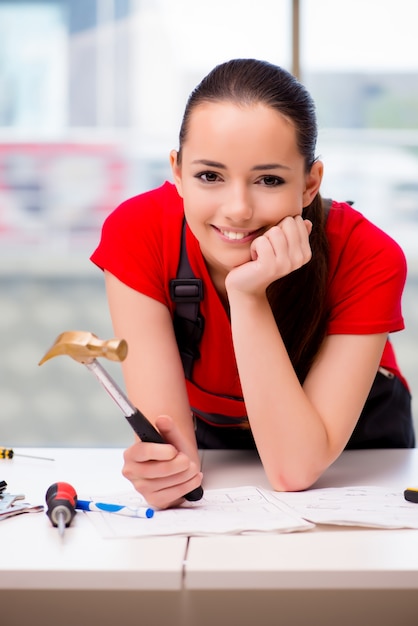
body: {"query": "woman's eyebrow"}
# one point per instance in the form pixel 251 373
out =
pixel 220 166
pixel 256 168
pixel 270 166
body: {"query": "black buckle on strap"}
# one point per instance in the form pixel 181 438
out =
pixel 186 290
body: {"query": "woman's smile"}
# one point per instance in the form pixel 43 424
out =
pixel 232 235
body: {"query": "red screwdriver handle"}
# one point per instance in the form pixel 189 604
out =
pixel 61 499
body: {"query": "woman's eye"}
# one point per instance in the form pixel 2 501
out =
pixel 208 177
pixel 271 181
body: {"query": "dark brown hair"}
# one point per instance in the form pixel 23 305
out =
pixel 297 300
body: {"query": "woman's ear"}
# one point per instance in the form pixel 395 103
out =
pixel 313 182
pixel 176 169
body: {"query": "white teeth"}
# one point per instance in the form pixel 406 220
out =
pixel 230 234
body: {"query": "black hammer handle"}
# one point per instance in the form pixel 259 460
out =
pixel 146 432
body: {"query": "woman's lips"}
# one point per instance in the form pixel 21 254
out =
pixel 238 236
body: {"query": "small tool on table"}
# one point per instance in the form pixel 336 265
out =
pixel 9 506
pixel 61 499
pixel 411 494
pixel 84 347
pixel 9 453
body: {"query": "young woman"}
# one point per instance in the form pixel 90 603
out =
pixel 297 303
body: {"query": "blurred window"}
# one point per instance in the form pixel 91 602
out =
pixel 91 98
pixel 359 60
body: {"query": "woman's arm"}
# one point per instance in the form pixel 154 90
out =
pixel 299 431
pixel 155 384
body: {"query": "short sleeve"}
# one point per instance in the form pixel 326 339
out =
pixel 135 244
pixel 367 274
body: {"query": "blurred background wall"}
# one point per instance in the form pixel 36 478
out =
pixel 91 98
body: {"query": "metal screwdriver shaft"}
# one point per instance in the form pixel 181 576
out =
pixel 61 521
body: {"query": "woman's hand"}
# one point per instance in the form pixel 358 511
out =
pixel 162 473
pixel 279 251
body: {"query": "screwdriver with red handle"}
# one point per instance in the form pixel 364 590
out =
pixel 61 499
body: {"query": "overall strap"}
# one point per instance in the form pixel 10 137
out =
pixel 326 203
pixel 186 291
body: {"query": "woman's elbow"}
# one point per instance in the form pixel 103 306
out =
pixel 294 481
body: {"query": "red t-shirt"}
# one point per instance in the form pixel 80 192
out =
pixel 140 245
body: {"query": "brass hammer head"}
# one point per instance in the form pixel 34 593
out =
pixel 84 347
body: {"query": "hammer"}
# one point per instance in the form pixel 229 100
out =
pixel 84 347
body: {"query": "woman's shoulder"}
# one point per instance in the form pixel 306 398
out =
pixel 367 273
pixel 350 233
pixel 138 242
pixel 158 204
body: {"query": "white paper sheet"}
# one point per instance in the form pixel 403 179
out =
pixel 378 507
pixel 243 510
pixel 220 511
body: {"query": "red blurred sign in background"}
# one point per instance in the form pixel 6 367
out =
pixel 63 189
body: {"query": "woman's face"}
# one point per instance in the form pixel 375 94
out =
pixel 240 174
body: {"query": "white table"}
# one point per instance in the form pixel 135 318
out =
pixel 329 575
pixel 325 576
pixel 81 578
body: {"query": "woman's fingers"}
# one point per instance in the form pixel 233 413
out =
pixel 290 242
pixel 162 488
pixel 160 472
pixel 281 250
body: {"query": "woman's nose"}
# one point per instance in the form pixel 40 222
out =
pixel 238 204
